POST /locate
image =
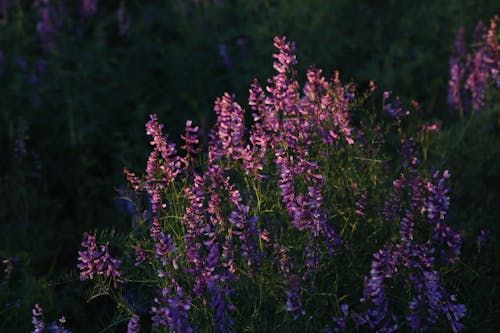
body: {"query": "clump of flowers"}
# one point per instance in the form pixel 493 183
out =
pixel 96 261
pixel 471 73
pixel 283 200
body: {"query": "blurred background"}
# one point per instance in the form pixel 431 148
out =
pixel 79 78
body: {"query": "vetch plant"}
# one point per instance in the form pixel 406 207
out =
pixel 274 219
pixel 471 73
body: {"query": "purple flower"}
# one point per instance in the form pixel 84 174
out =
pixel 395 109
pixel 361 204
pixel 227 136
pixel 133 324
pixel 483 238
pixel 246 230
pixel 340 322
pixel 477 81
pixel 165 250
pixel 140 255
pixel 412 199
pixel 438 203
pixel 477 68
pixel 286 56
pixel 172 310
pixel 163 165
pixel 38 319
pixel 96 261
pixel 457 73
pixel 191 141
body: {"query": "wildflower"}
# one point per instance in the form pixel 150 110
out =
pixel 476 67
pixel 191 140
pixel 38 319
pixel 286 56
pixel 372 85
pixel 140 255
pixel 457 73
pixel 96 261
pixel 292 281
pixel 432 127
pixel 340 322
pixel 133 324
pixel 477 81
pixel 395 109
pixel 227 137
pixel 438 203
pixel 482 239
pixel 163 164
pixel 172 309
pixel 361 204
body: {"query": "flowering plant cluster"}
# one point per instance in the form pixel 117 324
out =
pixel 470 72
pixel 280 202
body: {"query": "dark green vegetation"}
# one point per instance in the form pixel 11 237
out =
pixel 85 114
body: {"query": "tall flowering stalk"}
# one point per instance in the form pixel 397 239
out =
pixel 96 261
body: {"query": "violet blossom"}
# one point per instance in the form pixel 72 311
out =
pixel 96 261
pixel 133 325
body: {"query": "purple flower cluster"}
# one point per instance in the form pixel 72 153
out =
pixel 438 202
pixel 412 261
pixel 41 327
pixel 96 261
pixel 191 142
pixel 172 309
pixel 292 281
pixel 163 165
pixel 470 73
pixel 209 238
pixel 222 237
